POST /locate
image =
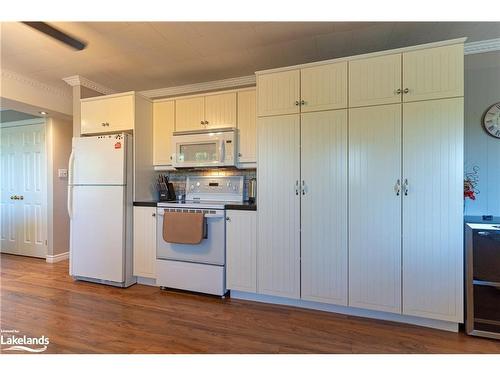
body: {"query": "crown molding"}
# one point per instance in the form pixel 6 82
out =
pixel 9 74
pixel 482 46
pixel 200 87
pixel 85 82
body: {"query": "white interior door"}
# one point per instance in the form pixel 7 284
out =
pixel 324 207
pixel 432 209
pixel 278 220
pixel 375 208
pixel 24 191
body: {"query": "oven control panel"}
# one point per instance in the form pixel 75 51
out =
pixel 217 188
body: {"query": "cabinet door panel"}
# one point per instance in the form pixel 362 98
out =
pixel 116 111
pixel 375 80
pixel 247 130
pixel 241 251
pixel 324 87
pixel 277 93
pixel 163 127
pixel 144 241
pixel 278 234
pixel 324 207
pixel 432 210
pixel 220 110
pixel 434 73
pixel 189 113
pixel 375 208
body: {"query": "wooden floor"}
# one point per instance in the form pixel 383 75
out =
pixel 38 298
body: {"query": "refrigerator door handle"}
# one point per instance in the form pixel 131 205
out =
pixel 70 185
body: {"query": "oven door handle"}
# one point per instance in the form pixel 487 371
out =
pixel 208 216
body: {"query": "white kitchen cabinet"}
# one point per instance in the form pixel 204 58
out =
pixel 241 250
pixel 247 129
pixel 163 127
pixel 323 87
pixel 375 80
pixel 375 208
pixel 144 241
pixel 220 110
pixel 324 207
pixel 433 73
pixel 190 113
pixel 432 215
pixel 110 113
pixel 278 202
pixel 279 93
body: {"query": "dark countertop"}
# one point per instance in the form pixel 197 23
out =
pixel 145 203
pixel 246 206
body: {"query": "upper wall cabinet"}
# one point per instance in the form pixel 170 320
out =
pixel 190 113
pixel 110 113
pixel 205 112
pixel 433 73
pixel 323 87
pixel 317 88
pixel 163 127
pixel 220 110
pixel 375 80
pixel 247 134
pixel 279 93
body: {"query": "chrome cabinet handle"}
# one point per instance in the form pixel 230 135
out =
pixel 103 124
pixel 206 122
pixel 228 218
pixel 202 122
pixel 297 102
pixel 302 102
pixel 303 187
pixel 153 214
pixel 398 91
pixel 21 197
pixel 406 186
pixel 406 91
pixel 240 154
pixel 397 187
pixel 297 187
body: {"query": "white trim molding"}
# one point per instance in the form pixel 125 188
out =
pixel 57 258
pixel 9 74
pixel 482 46
pixel 85 82
pixel 200 87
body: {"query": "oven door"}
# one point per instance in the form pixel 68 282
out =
pixel 211 250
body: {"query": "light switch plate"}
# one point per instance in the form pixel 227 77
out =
pixel 62 173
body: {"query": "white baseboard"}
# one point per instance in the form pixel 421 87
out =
pixel 424 322
pixel 57 258
pixel 146 281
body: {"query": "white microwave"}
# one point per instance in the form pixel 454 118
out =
pixel 204 148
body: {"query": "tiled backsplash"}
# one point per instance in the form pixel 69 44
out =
pixel 178 178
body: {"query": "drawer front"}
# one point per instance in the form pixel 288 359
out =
pixel 487 308
pixel 486 255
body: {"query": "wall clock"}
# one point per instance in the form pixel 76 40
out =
pixel 491 120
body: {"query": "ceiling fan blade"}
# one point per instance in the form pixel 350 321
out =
pixel 57 34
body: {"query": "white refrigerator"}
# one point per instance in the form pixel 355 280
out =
pixel 100 209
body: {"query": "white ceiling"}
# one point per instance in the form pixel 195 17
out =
pixel 149 55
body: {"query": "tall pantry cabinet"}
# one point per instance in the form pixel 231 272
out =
pixel 308 262
pixel 360 181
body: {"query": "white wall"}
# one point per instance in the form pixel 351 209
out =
pixel 482 89
pixel 59 134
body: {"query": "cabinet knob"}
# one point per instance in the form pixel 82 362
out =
pixel 206 122
pixel 302 102
pixel 228 218
pixel 103 124
pixel 202 122
pixel 406 91
pixel 153 214
pixel 297 102
pixel 398 91
pixel 21 197
pixel 240 154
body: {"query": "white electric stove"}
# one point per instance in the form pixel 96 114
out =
pixel 200 267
